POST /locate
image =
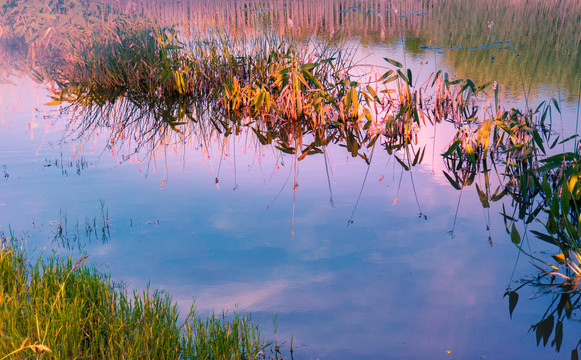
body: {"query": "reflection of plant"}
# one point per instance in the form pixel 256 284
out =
pixel 566 295
pixel 555 180
pixel 571 275
pixel 544 188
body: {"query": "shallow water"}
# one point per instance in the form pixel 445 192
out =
pixel 406 279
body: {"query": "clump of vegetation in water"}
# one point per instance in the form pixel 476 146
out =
pixel 57 309
pixel 156 83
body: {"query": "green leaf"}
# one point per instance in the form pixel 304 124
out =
pixel 393 62
pixel 285 149
pixel 436 77
pixel 386 75
pixel 372 92
pixel 545 237
pixel 309 66
pixel 496 97
pixel 452 147
pixel 312 78
pixel 497 196
pixel 261 137
pixel 514 235
pixel 304 153
pixel 469 84
pixel 538 141
pixel 259 100
pixel 562 304
pixel 560 158
pixel 512 301
pixel 372 141
pixel 567 139
pixel 574 354
pixel 516 147
pixel 483 198
pixel 555 205
pixel 551 224
pixel 556 105
pixel 538 331
pixel 354 98
pixel 403 77
pixel 416 158
pixel 452 181
pixel 407 168
pixel 547 328
pixel 546 187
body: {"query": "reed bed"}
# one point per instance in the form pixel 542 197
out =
pixel 59 309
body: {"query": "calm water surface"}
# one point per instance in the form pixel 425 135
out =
pixel 421 270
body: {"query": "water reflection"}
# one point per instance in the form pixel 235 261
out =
pixel 152 131
pixel 344 278
pixel 469 161
pixel 482 40
pixel 488 41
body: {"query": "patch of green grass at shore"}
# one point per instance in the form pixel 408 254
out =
pixel 59 309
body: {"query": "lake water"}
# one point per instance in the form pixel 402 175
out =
pixel 354 261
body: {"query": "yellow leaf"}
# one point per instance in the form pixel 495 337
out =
pixel 560 258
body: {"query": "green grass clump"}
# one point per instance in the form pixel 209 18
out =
pixel 57 309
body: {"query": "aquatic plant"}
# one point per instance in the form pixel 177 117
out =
pixel 55 308
pixel 151 86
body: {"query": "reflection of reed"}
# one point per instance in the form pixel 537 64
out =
pixel 545 35
pixel 547 48
pixel 373 18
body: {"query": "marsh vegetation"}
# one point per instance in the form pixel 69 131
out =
pixel 55 308
pixel 284 77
